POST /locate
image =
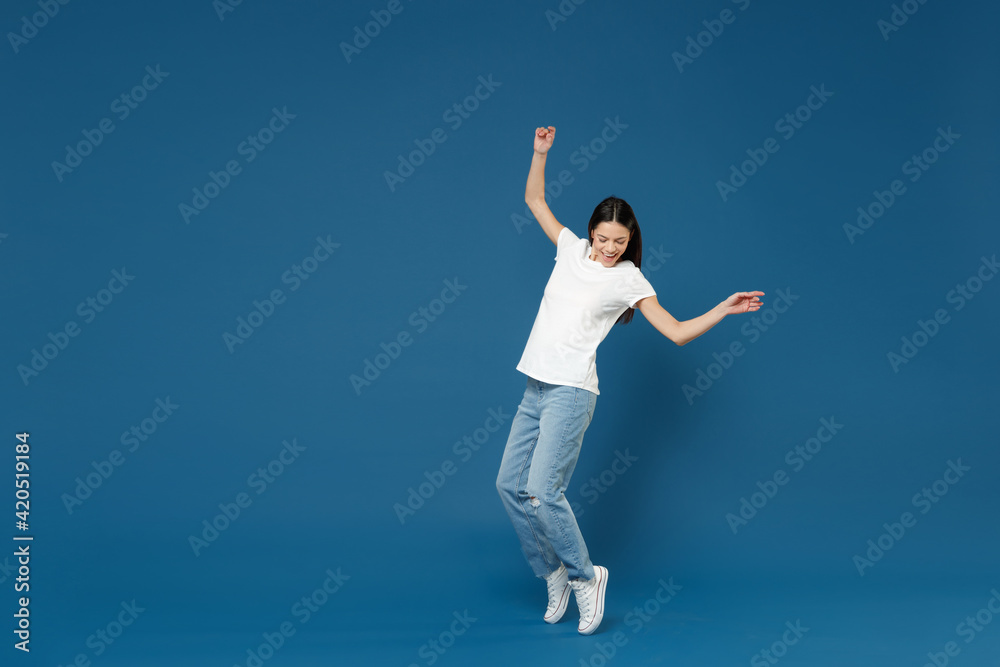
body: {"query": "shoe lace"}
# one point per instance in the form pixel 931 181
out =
pixel 583 600
pixel 554 588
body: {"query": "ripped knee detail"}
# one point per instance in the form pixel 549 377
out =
pixel 533 501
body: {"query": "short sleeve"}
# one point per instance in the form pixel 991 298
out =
pixel 565 239
pixel 637 288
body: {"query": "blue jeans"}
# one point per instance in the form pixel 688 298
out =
pixel 544 444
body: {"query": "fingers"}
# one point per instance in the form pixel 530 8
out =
pixel 747 300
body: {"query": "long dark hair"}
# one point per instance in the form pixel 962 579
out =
pixel 617 210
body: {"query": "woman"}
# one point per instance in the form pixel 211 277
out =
pixel 594 283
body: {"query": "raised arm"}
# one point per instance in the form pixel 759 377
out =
pixel 534 192
pixel 686 331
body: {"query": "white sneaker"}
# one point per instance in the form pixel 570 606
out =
pixel 590 599
pixel 558 584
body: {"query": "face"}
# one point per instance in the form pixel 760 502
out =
pixel 609 240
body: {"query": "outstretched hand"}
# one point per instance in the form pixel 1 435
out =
pixel 544 138
pixel 742 302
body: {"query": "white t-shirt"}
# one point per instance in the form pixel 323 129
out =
pixel 583 299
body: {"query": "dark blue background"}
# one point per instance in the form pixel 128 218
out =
pixel 456 218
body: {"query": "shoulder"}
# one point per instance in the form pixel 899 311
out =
pixel 627 268
pixel 637 282
pixel 566 239
pixel 566 235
